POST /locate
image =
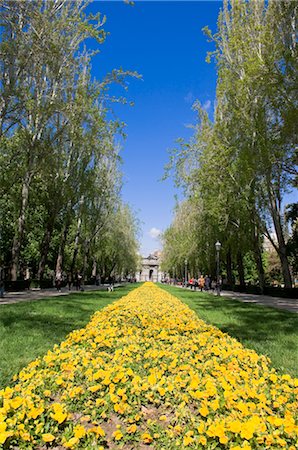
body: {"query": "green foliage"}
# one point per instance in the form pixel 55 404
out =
pixel 60 180
pixel 241 165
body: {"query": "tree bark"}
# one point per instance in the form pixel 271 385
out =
pixel 86 256
pixel 229 268
pixel 76 246
pixel 77 238
pixel 257 249
pixel 240 268
pixel 18 237
pixel 94 268
pixel 282 249
pixel 44 248
pixel 59 262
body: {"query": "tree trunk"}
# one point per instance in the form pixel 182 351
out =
pixel 59 262
pixel 86 256
pixel 257 249
pixel 94 268
pixel 76 246
pixel 282 250
pixel 44 248
pixel 77 238
pixel 229 268
pixel 240 269
pixel 18 237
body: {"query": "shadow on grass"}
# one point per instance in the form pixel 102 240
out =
pixel 270 331
pixel 29 329
pixel 54 316
pixel 249 321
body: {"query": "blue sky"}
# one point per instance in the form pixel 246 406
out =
pixel 164 42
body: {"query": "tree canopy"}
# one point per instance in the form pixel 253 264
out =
pixel 60 187
pixel 237 168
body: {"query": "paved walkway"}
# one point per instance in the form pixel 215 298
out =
pixel 39 294
pixel 287 304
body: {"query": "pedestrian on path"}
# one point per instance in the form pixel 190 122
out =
pixel 58 280
pixel 207 282
pixel 201 283
pixel 78 281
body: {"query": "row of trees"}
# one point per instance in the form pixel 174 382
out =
pixel 236 169
pixel 60 183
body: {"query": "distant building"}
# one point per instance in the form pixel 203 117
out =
pixel 150 268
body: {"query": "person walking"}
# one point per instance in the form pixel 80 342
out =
pixel 207 282
pixel 201 283
pixel 78 281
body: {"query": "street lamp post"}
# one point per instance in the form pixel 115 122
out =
pixel 185 262
pixel 217 247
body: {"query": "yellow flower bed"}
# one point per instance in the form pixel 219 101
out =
pixel 146 372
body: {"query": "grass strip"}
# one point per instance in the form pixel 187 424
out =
pixel 147 371
pixel 266 330
pixel 29 329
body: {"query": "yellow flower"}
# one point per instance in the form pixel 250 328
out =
pixel 35 412
pixel 202 440
pixel 25 436
pixel 147 438
pixel 162 391
pixel 48 437
pixel 59 415
pixel 117 435
pixel 97 430
pixel 235 426
pixel 187 440
pixel 71 443
pixel 94 388
pixel 204 411
pixel 136 351
pixel 246 432
pixel 16 402
pixel 152 379
pixel 4 435
pixel 79 431
pixel 131 428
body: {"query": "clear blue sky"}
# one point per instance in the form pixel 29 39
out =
pixel 164 42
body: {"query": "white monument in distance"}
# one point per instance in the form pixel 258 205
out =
pixel 149 270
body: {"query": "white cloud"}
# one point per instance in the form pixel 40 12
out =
pixel 207 105
pixel 189 98
pixel 154 233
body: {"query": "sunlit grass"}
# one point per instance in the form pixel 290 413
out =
pixel 29 329
pixel 269 331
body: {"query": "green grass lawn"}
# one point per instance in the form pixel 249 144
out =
pixel 269 331
pixel 29 329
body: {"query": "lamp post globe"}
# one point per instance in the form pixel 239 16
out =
pixel 185 262
pixel 217 247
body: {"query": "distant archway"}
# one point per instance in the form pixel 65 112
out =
pixel 151 274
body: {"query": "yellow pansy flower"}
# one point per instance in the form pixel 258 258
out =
pixel 48 437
